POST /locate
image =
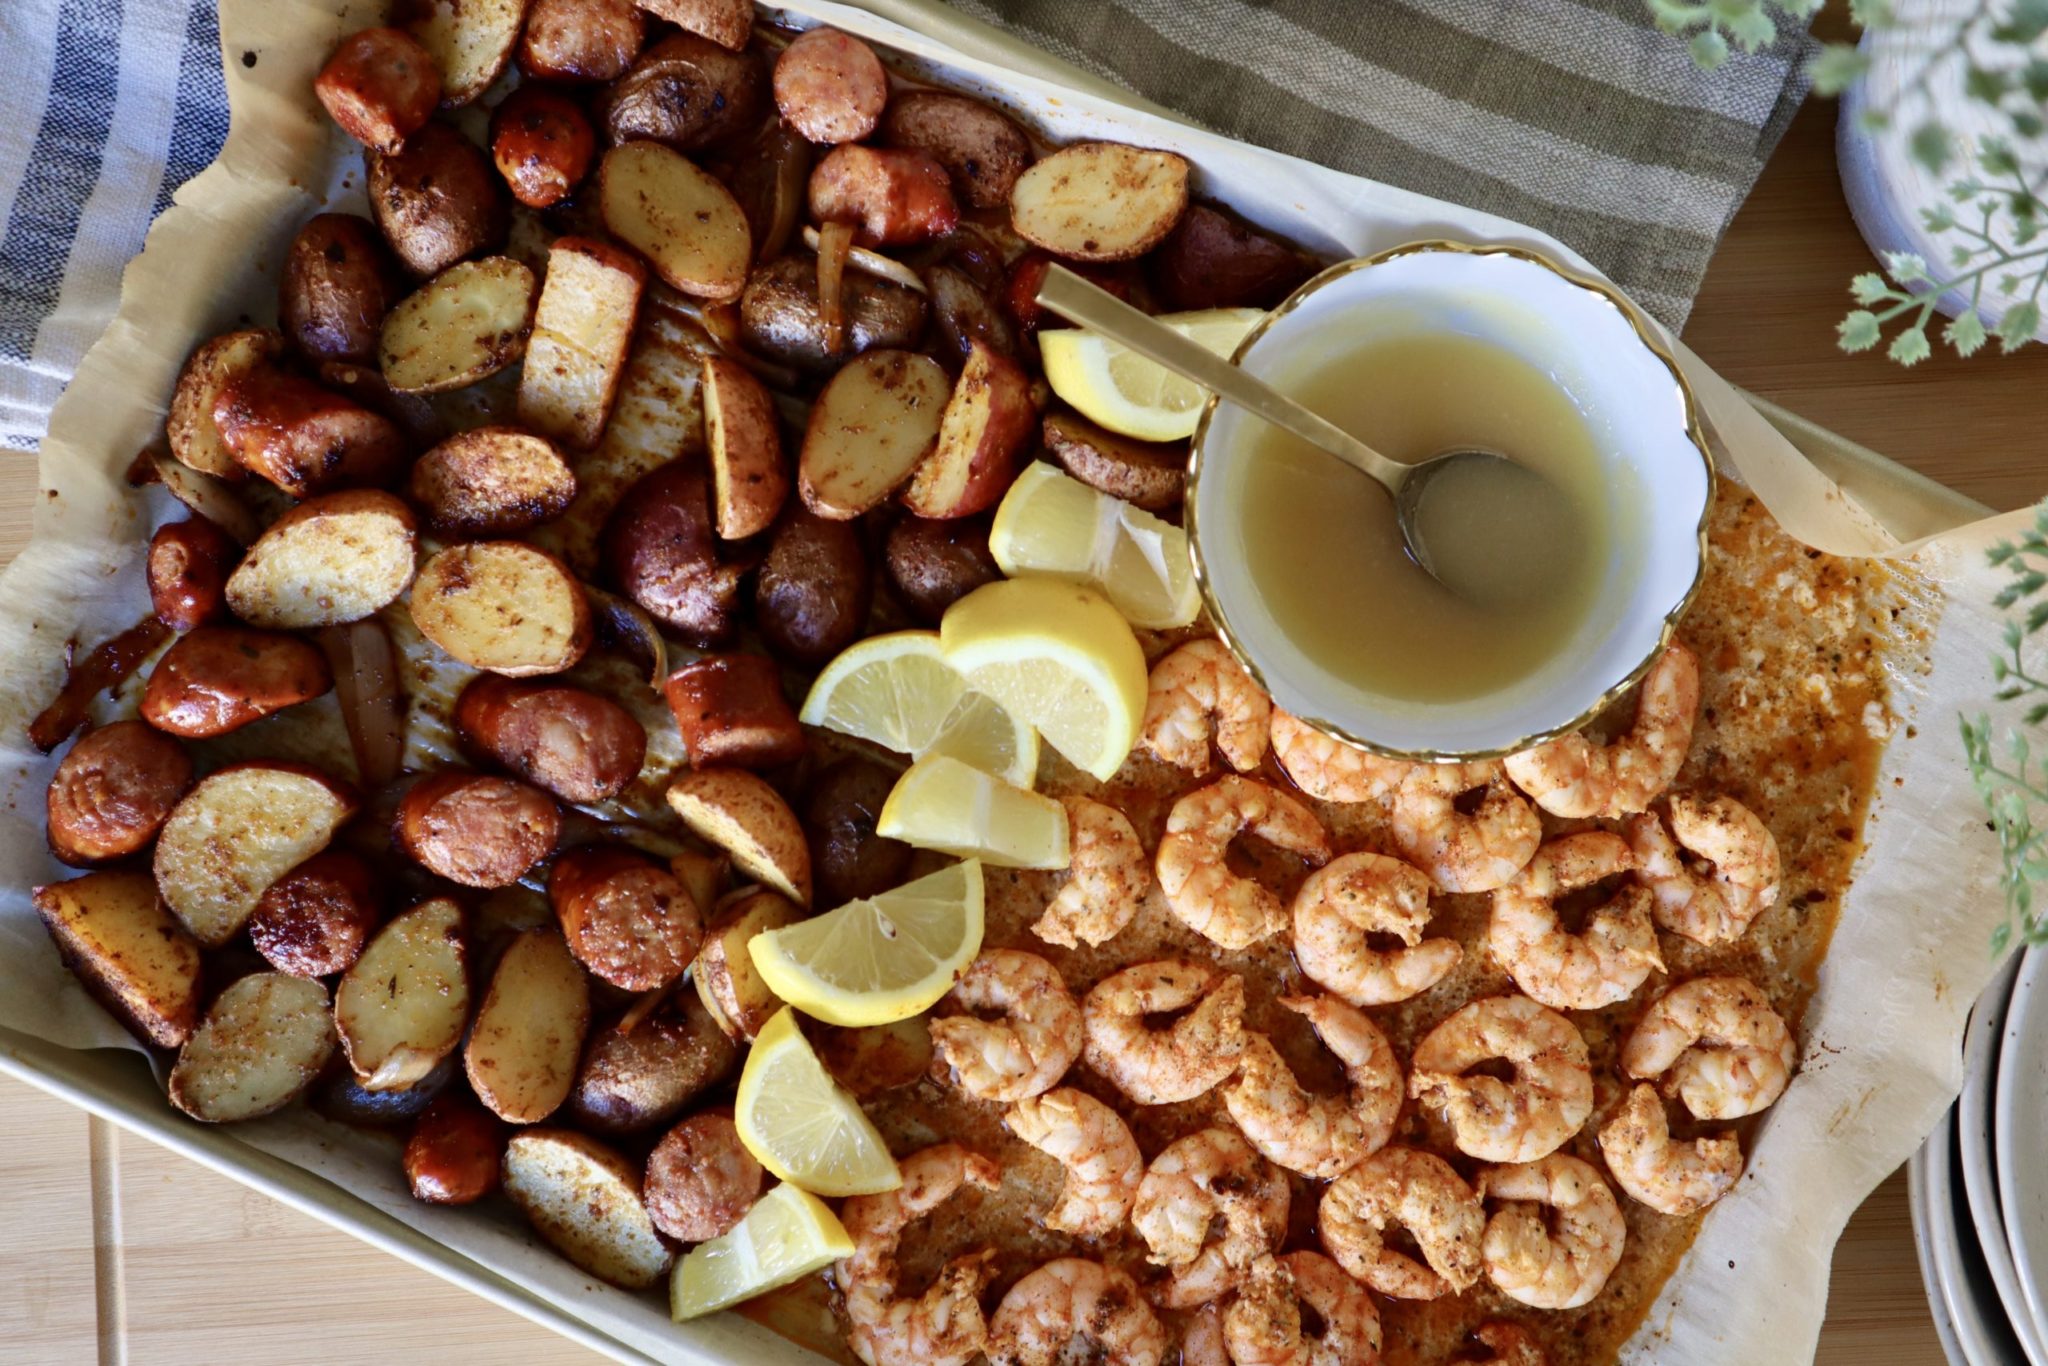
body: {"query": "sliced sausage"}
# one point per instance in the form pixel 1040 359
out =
pixel 982 150
pixel 220 678
pixel 731 711
pixel 543 145
pixel 848 859
pixel 302 437
pixel 454 1153
pixel 701 1180
pixel 894 196
pixel 812 596
pixel 113 791
pixel 338 282
pixel 475 829
pixel 627 918
pixel 380 85
pixel 315 919
pixel 569 741
pixel 633 1081
pixel 831 86
pixel 188 567
pixel 688 92
pixel 581 40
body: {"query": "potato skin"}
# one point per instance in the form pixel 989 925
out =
pixel 626 917
pixel 1151 476
pixel 380 85
pixel 193 435
pixel 894 196
pixel 1212 260
pixel 934 563
pixel 491 481
pixel 566 740
pixel 982 151
pixel 315 919
pixel 781 317
pixel 966 314
pixel 543 145
pixel 337 283
pixel 475 829
pixel 848 859
pixel 830 86
pixel 454 1152
pixel 302 437
pixel 220 678
pixel 113 792
pixel 631 1082
pixel 701 1180
pixel 731 710
pixel 580 40
pixel 688 92
pixel 812 594
pixel 660 550
pixel 188 567
pixel 437 201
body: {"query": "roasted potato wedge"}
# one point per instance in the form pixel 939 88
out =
pixel 241 829
pixel 402 1007
pixel 1146 474
pixel 1212 260
pixel 749 480
pixel 330 560
pixel 625 916
pixel 634 1081
pixel 687 224
pixel 738 811
pixel 584 1199
pixel 701 1180
pixel 782 318
pixel 728 984
pixel 491 481
pixel 830 86
pixel 982 150
pixel 703 872
pixel 1100 201
pixel 453 1155
pixel 113 792
pixel 569 741
pixel 688 92
pixel 263 1041
pixel 303 437
pixel 470 40
pixel 437 200
pixel 848 859
pixel 660 551
pixel 729 23
pixel 464 325
pixel 476 829
pixel 379 86
pixel 190 428
pixel 581 40
pixel 580 335
pixel 730 710
pixel 314 921
pixel 813 592
pixel 987 420
pixel 505 606
pixel 522 1050
pixel 873 425
pixel 340 1097
pixel 220 678
pixel 934 564
pixel 337 284
pixel 543 144
pixel 128 949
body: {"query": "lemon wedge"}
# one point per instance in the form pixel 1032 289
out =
pixel 798 1124
pixel 1052 523
pixel 943 804
pixel 787 1235
pixel 875 960
pixel 898 691
pixel 1127 393
pixel 1058 656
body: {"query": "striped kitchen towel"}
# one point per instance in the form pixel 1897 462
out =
pixel 1573 116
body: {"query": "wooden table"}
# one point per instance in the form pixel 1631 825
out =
pixel 116 1250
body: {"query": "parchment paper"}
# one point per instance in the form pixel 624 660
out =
pixel 1882 1036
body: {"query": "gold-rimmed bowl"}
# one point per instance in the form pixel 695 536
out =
pixel 1659 478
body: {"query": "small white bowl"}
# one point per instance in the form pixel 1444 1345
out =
pixel 1645 428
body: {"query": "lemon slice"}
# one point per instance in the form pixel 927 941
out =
pixel 1127 393
pixel 943 804
pixel 798 1124
pixel 787 1235
pixel 898 691
pixel 875 960
pixel 1058 656
pixel 1052 523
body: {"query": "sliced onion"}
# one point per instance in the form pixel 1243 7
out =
pixel 637 1013
pixel 866 261
pixel 624 627
pixel 212 498
pixel 106 668
pixel 834 244
pixel 366 683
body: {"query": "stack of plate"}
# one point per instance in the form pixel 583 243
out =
pixel 1980 1185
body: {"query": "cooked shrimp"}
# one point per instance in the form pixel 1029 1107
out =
pixel 1464 853
pixel 1186 1058
pixel 1668 1176
pixel 1727 1053
pixel 944 1325
pixel 1505 1121
pixel 1511 1345
pixel 1319 1136
pixel 1201 1343
pixel 1717 906
pixel 1201 889
pixel 1263 1325
pixel 1572 776
pixel 1199 684
pixel 1209 1176
pixel 1027 1051
pixel 1071 1302
pixel 1556 1262
pixel 1420 1192
pixel 1094 1144
pixel 1106 877
pixel 1343 904
pixel 1603 963
pixel 1330 770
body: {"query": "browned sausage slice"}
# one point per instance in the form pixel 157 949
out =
pixel 701 1180
pixel 626 918
pixel 831 86
pixel 315 919
pixel 581 40
pixel 380 85
pixel 188 567
pixel 894 196
pixel 220 678
pixel 543 145
pixel 302 437
pixel 568 740
pixel 454 1153
pixel 475 829
pixel 113 791
pixel 731 710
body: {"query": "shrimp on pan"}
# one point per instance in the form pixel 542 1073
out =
pixel 1463 852
pixel 1330 770
pixel 1653 1168
pixel 1420 1192
pixel 1263 1326
pixel 1107 877
pixel 1202 890
pixel 1183 1059
pixel 944 1326
pixel 1600 965
pixel 1493 1120
pixel 1210 1176
pixel 1562 1260
pixel 1717 906
pixel 1718 1044
pixel 1343 904
pixel 1095 1146
pixel 1075 1310
pixel 1572 776
pixel 1030 1048
pixel 1197 688
pixel 1319 1136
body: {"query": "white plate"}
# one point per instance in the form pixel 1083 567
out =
pixel 2019 1120
pixel 1923 1249
pixel 1962 1283
pixel 1975 1151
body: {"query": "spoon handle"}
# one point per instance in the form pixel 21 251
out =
pixel 1087 305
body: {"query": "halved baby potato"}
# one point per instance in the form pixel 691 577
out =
pixel 491 481
pixel 680 217
pixel 194 437
pixel 241 829
pixel 505 606
pixel 730 986
pixel 330 560
pixel 740 813
pixel 401 1007
pixel 522 1050
pixel 581 329
pixel 584 1198
pixel 466 324
pixel 872 426
pixel 986 423
pixel 262 1043
pixel 470 41
pixel 132 954
pixel 748 479
pixel 1100 201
